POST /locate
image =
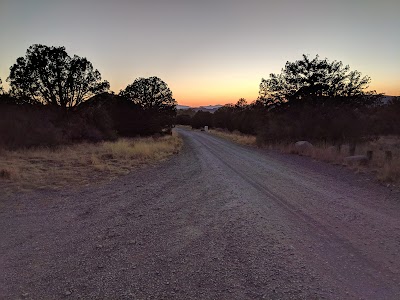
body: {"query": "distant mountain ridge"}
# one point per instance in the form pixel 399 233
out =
pixel 212 108
pixel 182 107
pixel 209 108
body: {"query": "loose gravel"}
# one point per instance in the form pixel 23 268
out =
pixel 217 221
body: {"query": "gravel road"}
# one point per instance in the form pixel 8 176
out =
pixel 217 221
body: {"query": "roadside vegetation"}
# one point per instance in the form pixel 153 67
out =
pixel 60 125
pixel 235 136
pixel 387 171
pixel 57 102
pixel 82 163
pixel 321 102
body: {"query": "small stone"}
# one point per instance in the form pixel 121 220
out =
pixel 67 293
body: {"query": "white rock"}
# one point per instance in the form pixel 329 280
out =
pixel 303 146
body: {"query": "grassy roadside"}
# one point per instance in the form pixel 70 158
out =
pixel 81 164
pixel 237 137
pixel 388 172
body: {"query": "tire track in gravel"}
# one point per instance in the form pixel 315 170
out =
pixel 362 273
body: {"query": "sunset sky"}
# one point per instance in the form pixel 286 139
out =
pixel 208 51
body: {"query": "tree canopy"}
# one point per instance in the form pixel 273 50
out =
pixel 201 119
pixel 150 93
pixel 155 99
pixel 48 75
pixel 313 79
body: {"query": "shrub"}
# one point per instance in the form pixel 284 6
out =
pixel 28 126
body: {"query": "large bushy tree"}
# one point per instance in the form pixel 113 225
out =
pixel 48 75
pixel 314 79
pixel 155 98
pixel 150 93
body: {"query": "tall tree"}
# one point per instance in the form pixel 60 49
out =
pixel 150 93
pixel 48 75
pixel 155 98
pixel 315 79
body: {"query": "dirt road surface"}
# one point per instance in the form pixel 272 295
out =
pixel 217 221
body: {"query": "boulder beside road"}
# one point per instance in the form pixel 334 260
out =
pixel 303 146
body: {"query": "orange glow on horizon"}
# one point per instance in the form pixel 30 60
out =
pixel 201 88
pixel 215 90
pixel 209 99
pixel 222 99
pixel 386 88
pixel 213 100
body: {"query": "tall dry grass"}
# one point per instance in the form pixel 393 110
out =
pixel 235 136
pixel 81 164
pixel 386 171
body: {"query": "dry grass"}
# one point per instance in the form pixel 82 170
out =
pixel 385 171
pixel 81 164
pixel 184 126
pixel 235 136
pixel 323 152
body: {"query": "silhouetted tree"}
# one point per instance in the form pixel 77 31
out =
pixel 223 117
pixel 48 75
pixel 243 117
pixel 5 98
pixel 314 79
pixel 241 104
pixel 385 118
pixel 154 96
pixel 150 93
pixel 183 119
pixel 189 112
pixel 201 119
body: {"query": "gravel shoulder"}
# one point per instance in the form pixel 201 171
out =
pixel 216 221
